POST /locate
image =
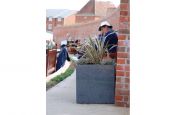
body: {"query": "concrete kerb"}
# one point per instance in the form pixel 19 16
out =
pixel 61 70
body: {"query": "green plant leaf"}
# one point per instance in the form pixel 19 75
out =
pixel 94 50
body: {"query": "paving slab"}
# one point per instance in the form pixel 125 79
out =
pixel 61 100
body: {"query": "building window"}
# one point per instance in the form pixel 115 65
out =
pixel 49 26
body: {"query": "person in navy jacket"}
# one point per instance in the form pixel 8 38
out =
pixel 109 37
pixel 63 56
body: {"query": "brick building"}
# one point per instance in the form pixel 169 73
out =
pixel 59 17
pixel 93 10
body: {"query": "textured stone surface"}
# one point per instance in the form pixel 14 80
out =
pixel 95 84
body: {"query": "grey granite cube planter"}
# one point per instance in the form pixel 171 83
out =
pixel 95 84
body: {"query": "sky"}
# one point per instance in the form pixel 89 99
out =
pixel 71 4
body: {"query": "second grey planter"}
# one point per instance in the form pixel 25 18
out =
pixel 95 84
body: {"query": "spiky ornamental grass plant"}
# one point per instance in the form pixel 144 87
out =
pixel 94 52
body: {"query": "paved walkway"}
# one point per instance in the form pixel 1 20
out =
pixel 61 100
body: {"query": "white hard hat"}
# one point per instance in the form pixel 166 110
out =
pixel 104 23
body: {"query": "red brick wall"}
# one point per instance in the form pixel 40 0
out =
pixel 70 20
pixel 84 19
pixel 81 31
pixel 123 60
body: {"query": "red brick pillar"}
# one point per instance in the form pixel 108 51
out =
pixel 122 92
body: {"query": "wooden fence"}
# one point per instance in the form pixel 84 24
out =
pixel 51 57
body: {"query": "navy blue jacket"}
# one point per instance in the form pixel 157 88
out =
pixel 63 56
pixel 111 39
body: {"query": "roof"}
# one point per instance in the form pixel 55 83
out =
pixel 62 13
pixel 96 8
